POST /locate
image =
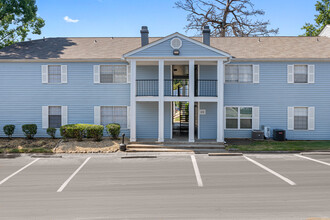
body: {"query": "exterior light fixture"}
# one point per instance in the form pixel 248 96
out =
pixel 176 52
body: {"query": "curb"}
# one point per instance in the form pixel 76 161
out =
pixel 46 156
pixel 270 152
pixel 136 157
pixel 315 153
pixel 225 154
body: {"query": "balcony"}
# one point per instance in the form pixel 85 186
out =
pixel 176 88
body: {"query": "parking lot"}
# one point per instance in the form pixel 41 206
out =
pixel 170 186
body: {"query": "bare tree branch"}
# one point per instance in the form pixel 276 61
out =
pixel 226 17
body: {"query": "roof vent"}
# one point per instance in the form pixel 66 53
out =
pixel 176 43
pixel 95 41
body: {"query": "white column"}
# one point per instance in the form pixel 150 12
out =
pixel 133 102
pixel 191 100
pixel 161 101
pixel 220 101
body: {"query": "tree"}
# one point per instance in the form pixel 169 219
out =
pixel 226 17
pixel 321 20
pixel 17 19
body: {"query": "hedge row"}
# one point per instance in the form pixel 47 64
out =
pixel 29 130
pixel 79 131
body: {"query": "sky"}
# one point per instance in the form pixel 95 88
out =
pixel 124 18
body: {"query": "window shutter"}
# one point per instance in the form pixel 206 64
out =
pixel 128 73
pixel 311 118
pixel 290 118
pixel 64 74
pixel 44 73
pixel 311 73
pixel 255 118
pixel 96 73
pixel 64 115
pixel 44 116
pixel 128 117
pixel 97 115
pixel 290 73
pixel 255 73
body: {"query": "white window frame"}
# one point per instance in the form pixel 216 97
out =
pixel 45 115
pixel 238 118
pixel 63 74
pixel 127 114
pixel 310 74
pixel 114 83
pixel 254 67
pixel 294 73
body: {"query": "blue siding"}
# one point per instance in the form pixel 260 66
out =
pixel 273 95
pixel 23 95
pixel 208 72
pixel 208 122
pixel 147 120
pixel 188 48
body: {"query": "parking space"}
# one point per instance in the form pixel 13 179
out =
pixel 180 186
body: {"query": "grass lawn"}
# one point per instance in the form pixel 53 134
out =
pixel 282 146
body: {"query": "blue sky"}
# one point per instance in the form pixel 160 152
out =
pixel 124 18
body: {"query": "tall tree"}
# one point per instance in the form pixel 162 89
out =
pixel 321 19
pixel 17 19
pixel 226 17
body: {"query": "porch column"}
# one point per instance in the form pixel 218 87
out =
pixel 191 100
pixel 133 102
pixel 161 101
pixel 220 101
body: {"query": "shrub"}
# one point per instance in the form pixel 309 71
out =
pixel 80 131
pixel 29 130
pixel 95 132
pixel 9 130
pixel 51 132
pixel 113 130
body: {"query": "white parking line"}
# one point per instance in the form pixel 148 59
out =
pixel 10 176
pixel 271 171
pixel 70 178
pixel 197 173
pixel 308 158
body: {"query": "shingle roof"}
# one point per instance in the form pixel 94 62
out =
pixel 114 48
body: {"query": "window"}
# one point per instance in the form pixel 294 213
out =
pixel 54 73
pixel 113 74
pixel 114 114
pixel 54 117
pixel 239 117
pixel 300 73
pixel 239 74
pixel 300 118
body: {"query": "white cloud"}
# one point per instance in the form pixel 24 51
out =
pixel 67 19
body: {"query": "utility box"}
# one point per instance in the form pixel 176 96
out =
pixel 279 135
pixel 257 135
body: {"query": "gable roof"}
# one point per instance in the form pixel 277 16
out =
pixel 114 48
pixel 176 34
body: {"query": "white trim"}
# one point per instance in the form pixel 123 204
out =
pixel 180 36
pixel 97 115
pixel 191 101
pixel 220 99
pixel 161 105
pixel 44 74
pixel 127 117
pixel 324 30
pixel 199 118
pixel 290 73
pixel 133 101
pixel 179 40
pixel 311 73
pixel 256 73
pixel 290 118
pixel 311 118
pixel 171 115
pixel 256 118
pixel 96 73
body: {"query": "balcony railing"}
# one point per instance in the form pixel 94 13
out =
pixel 176 87
pixel 206 88
pixel 147 87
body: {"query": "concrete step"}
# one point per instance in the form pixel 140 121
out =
pixel 177 146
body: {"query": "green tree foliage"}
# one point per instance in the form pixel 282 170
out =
pixel 17 19
pixel 321 19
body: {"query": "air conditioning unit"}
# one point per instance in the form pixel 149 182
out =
pixel 267 132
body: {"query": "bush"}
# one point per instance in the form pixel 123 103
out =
pixel 9 130
pixel 51 132
pixel 113 130
pixel 80 131
pixel 95 132
pixel 29 130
